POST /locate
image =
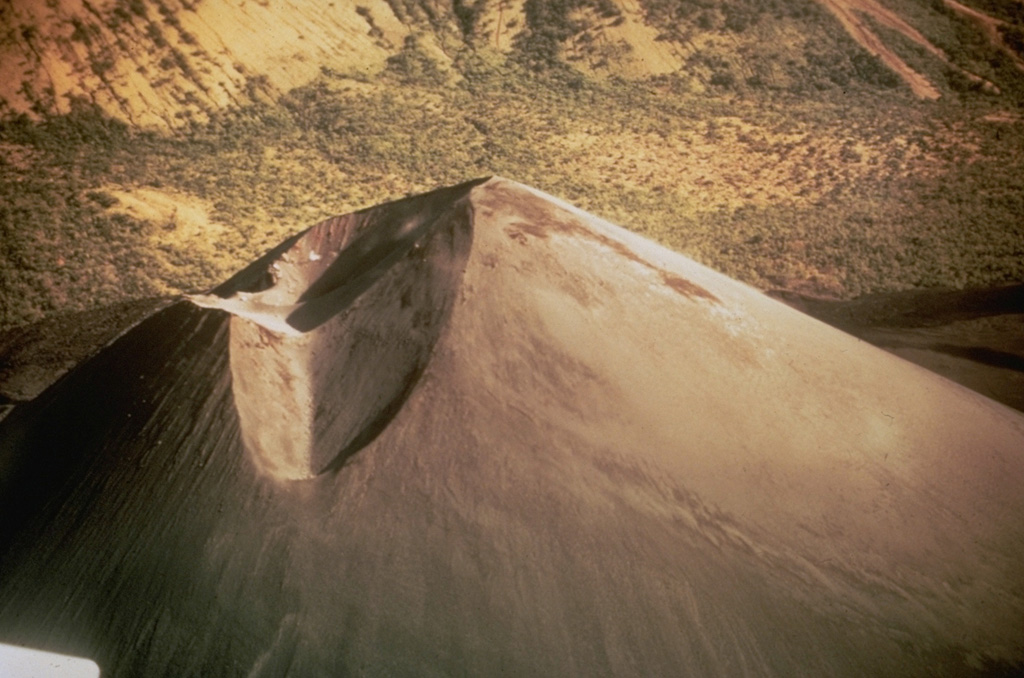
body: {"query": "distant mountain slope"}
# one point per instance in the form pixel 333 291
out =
pixel 163 62
pixel 156 62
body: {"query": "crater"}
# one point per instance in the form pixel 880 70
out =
pixel 330 332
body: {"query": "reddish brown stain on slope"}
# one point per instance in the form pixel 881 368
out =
pixel 686 288
pixel 518 236
pixel 536 229
pixel 540 218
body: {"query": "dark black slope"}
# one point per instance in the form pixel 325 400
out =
pixel 100 547
pixel 135 530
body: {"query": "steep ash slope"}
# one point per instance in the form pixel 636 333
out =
pixel 589 456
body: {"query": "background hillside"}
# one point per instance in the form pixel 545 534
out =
pixel 837 147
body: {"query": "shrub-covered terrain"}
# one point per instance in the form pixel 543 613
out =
pixel 813 170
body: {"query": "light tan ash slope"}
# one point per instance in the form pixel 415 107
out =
pixel 162 62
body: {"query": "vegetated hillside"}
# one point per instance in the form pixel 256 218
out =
pixel 152 147
pixel 162 62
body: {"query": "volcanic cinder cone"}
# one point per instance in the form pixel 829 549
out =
pixel 532 444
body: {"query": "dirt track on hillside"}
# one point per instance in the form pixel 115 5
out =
pixel 990 26
pixel 847 13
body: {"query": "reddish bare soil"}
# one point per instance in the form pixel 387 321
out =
pixel 848 12
pixel 990 25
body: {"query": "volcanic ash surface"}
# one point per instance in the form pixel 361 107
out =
pixel 480 432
